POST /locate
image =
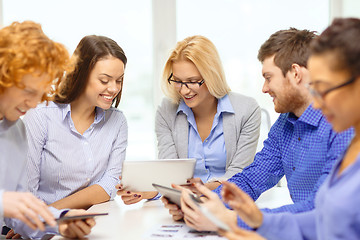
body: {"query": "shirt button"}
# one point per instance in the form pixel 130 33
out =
pixel 206 140
pixel 299 138
pixel 293 168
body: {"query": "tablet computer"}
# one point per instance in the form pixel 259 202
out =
pixel 138 176
pixel 80 217
pixel 172 194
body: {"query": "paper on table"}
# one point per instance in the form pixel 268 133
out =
pixel 179 231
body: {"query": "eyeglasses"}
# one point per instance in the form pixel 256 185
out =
pixel 189 85
pixel 321 94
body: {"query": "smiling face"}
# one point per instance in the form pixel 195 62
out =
pixel 286 96
pixel 15 101
pixel 105 82
pixel 340 106
pixel 186 71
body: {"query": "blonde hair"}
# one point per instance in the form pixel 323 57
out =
pixel 25 49
pixel 203 54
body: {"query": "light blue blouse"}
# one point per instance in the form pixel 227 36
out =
pixel 210 154
pixel 13 149
pixel 61 161
pixel 336 214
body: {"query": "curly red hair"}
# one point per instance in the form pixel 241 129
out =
pixel 25 49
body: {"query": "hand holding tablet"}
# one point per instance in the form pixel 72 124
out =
pixel 204 210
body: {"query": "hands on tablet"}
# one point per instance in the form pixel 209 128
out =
pixel 194 217
pixel 130 197
pixel 25 206
pixel 76 228
pixel 174 210
pixel 70 228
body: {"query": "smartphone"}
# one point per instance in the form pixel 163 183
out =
pixel 81 217
pixel 204 210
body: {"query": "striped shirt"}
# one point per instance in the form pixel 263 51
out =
pixel 61 161
pixel 303 149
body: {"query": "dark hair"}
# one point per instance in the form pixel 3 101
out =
pixel 89 51
pixel 342 38
pixel 289 47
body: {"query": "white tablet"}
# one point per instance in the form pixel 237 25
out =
pixel 172 194
pixel 139 176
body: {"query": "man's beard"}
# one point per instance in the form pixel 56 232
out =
pixel 290 101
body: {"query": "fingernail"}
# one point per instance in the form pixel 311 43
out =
pixel 135 195
pixel 128 192
pixel 139 196
pixel 187 181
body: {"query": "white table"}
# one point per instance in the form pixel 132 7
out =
pixel 127 221
pixel 132 222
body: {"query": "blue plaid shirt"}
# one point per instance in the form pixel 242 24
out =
pixel 303 149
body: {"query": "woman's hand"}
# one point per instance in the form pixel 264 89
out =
pixel 133 197
pixel 27 208
pixel 241 234
pixel 244 206
pixel 76 228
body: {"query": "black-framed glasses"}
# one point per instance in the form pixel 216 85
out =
pixel 189 85
pixel 321 94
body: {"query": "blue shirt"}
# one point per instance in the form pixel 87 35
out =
pixel 61 161
pixel 303 149
pixel 336 214
pixel 13 150
pixel 210 154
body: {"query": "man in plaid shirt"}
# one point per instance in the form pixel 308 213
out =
pixel 301 144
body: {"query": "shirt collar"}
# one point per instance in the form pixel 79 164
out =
pixel 223 105
pixel 99 113
pixel 66 110
pixel 310 116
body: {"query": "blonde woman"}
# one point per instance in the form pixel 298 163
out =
pixel 201 118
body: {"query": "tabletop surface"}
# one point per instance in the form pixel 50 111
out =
pixel 136 221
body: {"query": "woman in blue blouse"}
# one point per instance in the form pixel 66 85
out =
pixel 77 142
pixel 201 118
pixel 335 72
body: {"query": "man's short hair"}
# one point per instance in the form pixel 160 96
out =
pixel 289 47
